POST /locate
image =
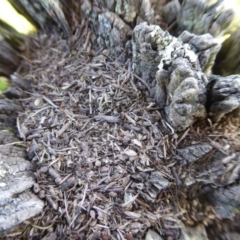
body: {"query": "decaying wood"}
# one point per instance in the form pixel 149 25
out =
pixel 113 32
pixel 194 152
pixel 18 209
pixel 16 90
pixel 17 203
pixel 224 96
pixel 219 18
pixel 114 20
pixel 224 200
pixel 171 11
pixel 228 229
pixel 131 11
pixel 179 84
pixel 109 164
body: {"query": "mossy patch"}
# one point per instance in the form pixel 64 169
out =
pixel 3 83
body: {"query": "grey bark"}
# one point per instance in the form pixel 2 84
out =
pixel 174 69
pixel 224 200
pixel 17 203
pixel 224 96
pixel 219 18
pixel 131 11
pixel 194 152
pixel 18 209
pixel 112 32
pixel 226 229
pixel 215 177
pixel 113 21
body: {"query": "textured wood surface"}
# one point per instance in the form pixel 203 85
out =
pixel 17 203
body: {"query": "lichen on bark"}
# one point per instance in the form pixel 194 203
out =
pixel 175 69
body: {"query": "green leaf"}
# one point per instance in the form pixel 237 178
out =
pixel 3 83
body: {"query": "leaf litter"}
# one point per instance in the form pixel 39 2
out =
pixel 106 160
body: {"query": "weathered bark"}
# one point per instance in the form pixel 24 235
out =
pixel 223 96
pixel 114 20
pixel 18 209
pixel 32 10
pixel 179 84
pixel 193 152
pixel 219 18
pixel 227 229
pixel 72 12
pixel 17 203
pixel 224 200
pixel 176 71
pixel 112 32
pixel 132 11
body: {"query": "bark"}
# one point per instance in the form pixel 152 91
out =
pixel 174 69
pixel 219 18
pixel 228 229
pixel 113 21
pixel 10 106
pixel 223 96
pixel 112 32
pixel 224 200
pixel 194 152
pixel 17 203
pixel 18 209
pixel 177 71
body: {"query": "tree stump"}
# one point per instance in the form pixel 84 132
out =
pixel 128 157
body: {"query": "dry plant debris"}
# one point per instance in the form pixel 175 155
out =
pixel 106 161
